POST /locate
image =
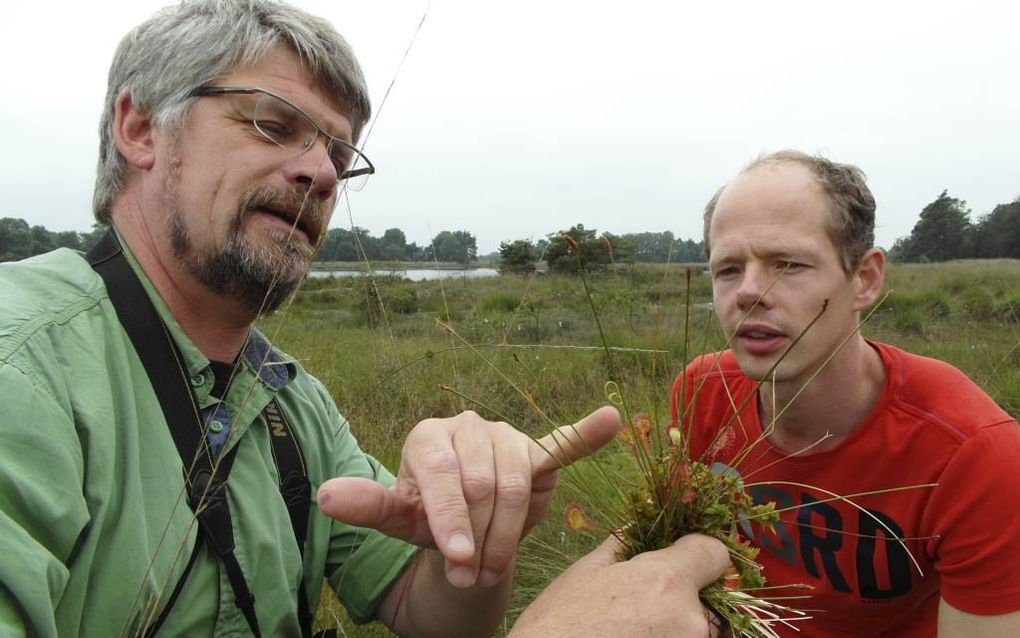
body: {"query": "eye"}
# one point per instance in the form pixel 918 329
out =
pixel 280 132
pixel 788 265
pixel 341 156
pixel 726 271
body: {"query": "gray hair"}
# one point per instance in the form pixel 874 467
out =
pixel 852 223
pixel 193 43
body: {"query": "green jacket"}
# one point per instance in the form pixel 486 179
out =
pixel 95 528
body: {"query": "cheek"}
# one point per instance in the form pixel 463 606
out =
pixel 722 291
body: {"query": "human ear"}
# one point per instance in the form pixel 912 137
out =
pixel 133 133
pixel 870 276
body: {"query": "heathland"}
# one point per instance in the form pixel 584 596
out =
pixel 392 352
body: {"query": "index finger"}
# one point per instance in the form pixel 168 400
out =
pixel 568 443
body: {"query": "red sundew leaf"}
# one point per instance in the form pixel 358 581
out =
pixel 679 475
pixel 722 440
pixel 643 428
pixel 576 520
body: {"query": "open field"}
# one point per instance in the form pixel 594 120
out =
pixel 384 363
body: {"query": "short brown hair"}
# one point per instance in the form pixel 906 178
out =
pixel 853 206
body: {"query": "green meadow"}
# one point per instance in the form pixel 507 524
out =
pixel 538 351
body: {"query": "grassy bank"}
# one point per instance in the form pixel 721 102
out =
pixel 379 348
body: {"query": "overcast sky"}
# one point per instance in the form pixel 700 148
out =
pixel 516 119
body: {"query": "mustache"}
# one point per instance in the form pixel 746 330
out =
pixel 311 213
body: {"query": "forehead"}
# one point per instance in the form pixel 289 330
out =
pixel 282 72
pixel 778 205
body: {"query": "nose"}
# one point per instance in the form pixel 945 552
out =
pixel 313 169
pixel 753 289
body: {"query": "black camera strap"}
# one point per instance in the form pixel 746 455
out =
pixel 206 479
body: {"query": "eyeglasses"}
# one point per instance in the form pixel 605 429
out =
pixel 287 126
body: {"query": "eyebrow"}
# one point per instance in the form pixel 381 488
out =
pixel 768 251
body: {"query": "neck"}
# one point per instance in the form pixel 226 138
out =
pixel 821 414
pixel 216 325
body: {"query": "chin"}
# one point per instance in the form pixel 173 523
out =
pixel 761 368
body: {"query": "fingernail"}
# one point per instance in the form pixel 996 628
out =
pixel 461 544
pixel 462 577
pixel 324 498
pixel 488 578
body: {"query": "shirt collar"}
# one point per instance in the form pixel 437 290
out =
pixel 272 367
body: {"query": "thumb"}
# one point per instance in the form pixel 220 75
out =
pixel 701 558
pixel 365 503
pixel 568 443
pixel 604 555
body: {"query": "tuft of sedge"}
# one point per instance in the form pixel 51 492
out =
pixel 576 519
pixel 571 244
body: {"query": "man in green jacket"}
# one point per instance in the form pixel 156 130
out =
pixel 227 135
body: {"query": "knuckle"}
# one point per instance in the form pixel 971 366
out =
pixel 477 486
pixel 514 490
pixel 447 506
pixel 438 460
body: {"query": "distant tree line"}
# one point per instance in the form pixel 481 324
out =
pixel 19 240
pixel 358 244
pixel 944 231
pixel 596 251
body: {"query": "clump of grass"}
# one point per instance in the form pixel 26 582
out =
pixel 1007 309
pixel 978 304
pixel 500 302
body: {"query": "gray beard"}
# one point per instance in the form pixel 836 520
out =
pixel 258 275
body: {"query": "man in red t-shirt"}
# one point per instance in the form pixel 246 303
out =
pixel 892 471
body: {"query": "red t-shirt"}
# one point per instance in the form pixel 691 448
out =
pixel 931 424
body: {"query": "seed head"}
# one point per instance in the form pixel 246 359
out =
pixel 571 244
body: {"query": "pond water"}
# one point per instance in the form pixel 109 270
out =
pixel 414 274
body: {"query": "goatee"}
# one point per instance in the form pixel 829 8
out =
pixel 260 270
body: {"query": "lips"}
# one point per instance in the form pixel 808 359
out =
pixel 760 339
pixel 304 225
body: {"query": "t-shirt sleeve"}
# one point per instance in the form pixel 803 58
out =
pixel 42 507
pixel 363 564
pixel 974 516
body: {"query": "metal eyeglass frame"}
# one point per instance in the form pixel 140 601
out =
pixel 206 91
